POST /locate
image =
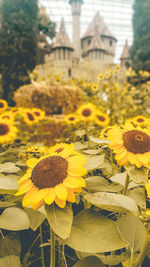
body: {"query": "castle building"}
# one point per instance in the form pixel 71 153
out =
pixel 86 56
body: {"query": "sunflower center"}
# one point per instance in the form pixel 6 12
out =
pixel 136 142
pixel 30 116
pixel 140 120
pixel 71 118
pixel 86 112
pixel 101 118
pixel 1 105
pixel 4 129
pixel 37 113
pixel 49 172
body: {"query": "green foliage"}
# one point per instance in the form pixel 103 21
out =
pixel 140 51
pixel 17 43
pixel 45 25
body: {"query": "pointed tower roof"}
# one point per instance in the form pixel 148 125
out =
pixel 100 25
pixel 62 39
pixel 125 52
pixel 96 42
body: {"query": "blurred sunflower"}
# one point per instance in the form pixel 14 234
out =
pixel 55 177
pixel 71 119
pixel 3 105
pixel 131 145
pixel 68 148
pixel 29 117
pixel 87 112
pixel 140 120
pixel 38 113
pixel 7 116
pixel 100 76
pixel 94 87
pixel 102 119
pixel 7 131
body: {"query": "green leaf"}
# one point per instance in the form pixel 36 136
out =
pixel 112 202
pixel 36 218
pixel 138 175
pixel 98 184
pixel 9 167
pixel 14 219
pixel 10 245
pixel 138 194
pixel 94 233
pixel 91 151
pixel 60 219
pixel 89 261
pixel 10 261
pixel 8 183
pixel 120 178
pixel 99 141
pixel 132 231
pixel 80 146
pixel 94 162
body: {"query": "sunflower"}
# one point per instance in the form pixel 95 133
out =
pixel 100 76
pixel 140 120
pixel 102 119
pixel 131 145
pixel 68 148
pixel 105 132
pixel 7 116
pixel 38 113
pixel 94 87
pixel 29 117
pixel 7 131
pixel 87 112
pixel 71 119
pixel 3 105
pixel 54 177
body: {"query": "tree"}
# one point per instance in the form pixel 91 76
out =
pixel 140 50
pixel 18 44
pixel 45 25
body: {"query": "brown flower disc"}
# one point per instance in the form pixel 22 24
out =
pixel 136 142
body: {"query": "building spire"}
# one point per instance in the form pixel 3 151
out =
pixel 125 53
pixel 62 39
pixel 76 13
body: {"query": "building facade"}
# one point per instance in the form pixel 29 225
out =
pixel 86 56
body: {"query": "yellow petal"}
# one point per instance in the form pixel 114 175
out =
pixel 32 162
pixel 71 182
pixel 61 191
pixel 60 203
pixel 78 160
pixel 24 187
pixel 76 171
pixel 71 196
pixel 36 206
pixel 29 197
pixel 26 176
pixel 40 194
pixel 50 197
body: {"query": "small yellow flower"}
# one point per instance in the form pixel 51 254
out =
pixel 53 178
pixel 7 131
pixel 38 113
pixel 3 105
pixel 94 87
pixel 102 119
pixel 87 112
pixel 100 76
pixel 71 119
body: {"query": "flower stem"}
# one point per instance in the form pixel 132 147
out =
pixel 143 252
pixel 52 249
pixel 42 250
pixel 126 185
